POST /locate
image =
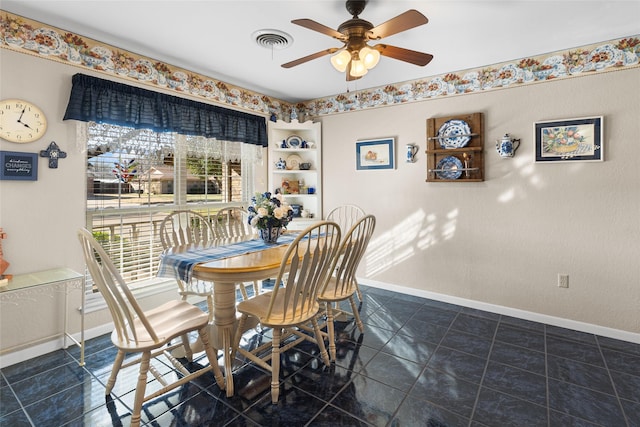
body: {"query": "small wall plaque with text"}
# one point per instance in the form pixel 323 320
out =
pixel 18 166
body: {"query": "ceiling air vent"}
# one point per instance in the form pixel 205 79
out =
pixel 272 39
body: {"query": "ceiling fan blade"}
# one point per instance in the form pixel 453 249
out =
pixel 405 21
pixel 402 54
pixel 316 26
pixel 310 57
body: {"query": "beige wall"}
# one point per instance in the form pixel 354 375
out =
pixel 504 241
pixel 501 242
pixel 41 217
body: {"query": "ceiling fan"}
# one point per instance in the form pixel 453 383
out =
pixel 356 57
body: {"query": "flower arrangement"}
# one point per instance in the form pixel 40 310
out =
pixel 269 212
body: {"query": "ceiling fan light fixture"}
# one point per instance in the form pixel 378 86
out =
pixel 356 57
pixel 358 69
pixel 340 60
pixel 369 56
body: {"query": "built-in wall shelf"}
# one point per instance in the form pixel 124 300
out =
pixel 293 147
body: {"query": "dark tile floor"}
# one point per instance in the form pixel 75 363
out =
pixel 419 363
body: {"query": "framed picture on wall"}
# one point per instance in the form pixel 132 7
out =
pixel 375 154
pixel 18 166
pixel 569 140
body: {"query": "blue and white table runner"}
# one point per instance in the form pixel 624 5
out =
pixel 180 265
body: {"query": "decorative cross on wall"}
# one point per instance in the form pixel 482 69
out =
pixel 53 153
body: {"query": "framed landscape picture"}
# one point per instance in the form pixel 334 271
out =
pixel 375 154
pixel 569 140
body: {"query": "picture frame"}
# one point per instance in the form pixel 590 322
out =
pixel 569 140
pixel 375 154
pixel 17 166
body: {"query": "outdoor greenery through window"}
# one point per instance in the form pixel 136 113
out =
pixel 135 177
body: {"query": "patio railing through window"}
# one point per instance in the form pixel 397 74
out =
pixel 131 238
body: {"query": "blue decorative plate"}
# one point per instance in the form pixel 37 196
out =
pixel 294 141
pixel 454 134
pixel 449 168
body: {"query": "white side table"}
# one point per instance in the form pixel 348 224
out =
pixel 24 288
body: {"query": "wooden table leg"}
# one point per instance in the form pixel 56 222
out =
pixel 228 363
pixel 224 316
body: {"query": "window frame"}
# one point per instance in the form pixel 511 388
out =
pixel 154 285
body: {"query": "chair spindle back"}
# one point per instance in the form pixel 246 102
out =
pixel 122 303
pixel 233 222
pixel 312 256
pixel 183 227
pixel 352 249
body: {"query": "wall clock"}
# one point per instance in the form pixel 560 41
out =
pixel 21 121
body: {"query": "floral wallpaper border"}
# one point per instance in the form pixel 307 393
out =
pixel 612 55
pixel 32 37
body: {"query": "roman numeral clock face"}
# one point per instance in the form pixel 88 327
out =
pixel 21 121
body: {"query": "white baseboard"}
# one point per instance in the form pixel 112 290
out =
pixel 12 358
pixel 508 311
pixel 27 353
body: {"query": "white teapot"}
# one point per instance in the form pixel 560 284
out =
pixel 506 147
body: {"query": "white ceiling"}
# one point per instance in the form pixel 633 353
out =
pixel 214 37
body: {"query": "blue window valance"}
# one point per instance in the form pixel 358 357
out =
pixel 105 101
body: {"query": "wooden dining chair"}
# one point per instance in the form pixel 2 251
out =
pixel 183 227
pixel 342 284
pixel 345 216
pixel 149 333
pixel 304 269
pixel 232 222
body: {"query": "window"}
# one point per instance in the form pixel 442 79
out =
pixel 135 177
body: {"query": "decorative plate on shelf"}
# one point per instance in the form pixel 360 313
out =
pixel 293 162
pixel 454 134
pixel 294 141
pixel 449 168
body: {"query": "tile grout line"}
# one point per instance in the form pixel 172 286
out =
pixel 587 387
pixel 406 395
pixel 484 371
pixel 328 403
pixel 546 375
pixel 613 383
pixel 22 408
pixel 606 368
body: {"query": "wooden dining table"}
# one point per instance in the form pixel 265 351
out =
pixel 225 272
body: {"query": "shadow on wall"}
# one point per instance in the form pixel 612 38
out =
pixel 418 232
pixel 422 230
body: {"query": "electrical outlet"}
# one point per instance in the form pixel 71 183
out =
pixel 563 280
